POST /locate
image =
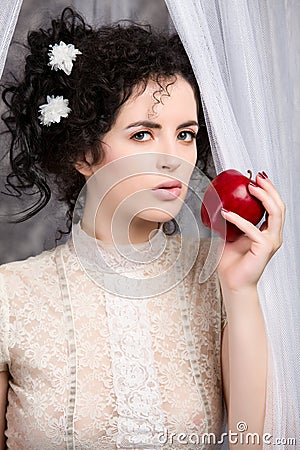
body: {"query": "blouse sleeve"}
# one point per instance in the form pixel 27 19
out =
pixel 4 324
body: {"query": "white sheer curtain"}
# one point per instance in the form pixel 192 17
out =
pixel 8 18
pixel 245 54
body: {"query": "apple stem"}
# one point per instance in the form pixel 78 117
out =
pixel 250 172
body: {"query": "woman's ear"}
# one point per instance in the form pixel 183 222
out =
pixel 85 166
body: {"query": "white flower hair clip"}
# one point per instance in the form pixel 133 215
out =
pixel 53 110
pixel 62 56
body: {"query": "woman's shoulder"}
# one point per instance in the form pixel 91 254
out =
pixel 34 269
pixel 29 262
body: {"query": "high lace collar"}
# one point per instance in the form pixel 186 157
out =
pixel 110 257
pixel 134 271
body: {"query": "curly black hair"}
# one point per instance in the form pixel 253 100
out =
pixel 114 60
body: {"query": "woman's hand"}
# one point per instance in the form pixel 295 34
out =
pixel 244 260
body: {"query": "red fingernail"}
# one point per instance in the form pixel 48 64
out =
pixel 252 183
pixel 262 175
pixel 225 210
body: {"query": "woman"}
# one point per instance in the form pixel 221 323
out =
pixel 104 344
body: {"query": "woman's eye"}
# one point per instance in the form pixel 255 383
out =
pixel 187 136
pixel 142 136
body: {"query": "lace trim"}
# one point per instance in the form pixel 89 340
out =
pixel 127 277
pixel 111 258
pixel 4 328
pixel 140 415
pixel 190 341
pixel 70 437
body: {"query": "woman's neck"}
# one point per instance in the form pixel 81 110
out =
pixel 137 232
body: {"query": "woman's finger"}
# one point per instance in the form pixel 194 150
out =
pixel 274 207
pixel 247 227
pixel 269 187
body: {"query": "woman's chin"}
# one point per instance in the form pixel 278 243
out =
pixel 157 215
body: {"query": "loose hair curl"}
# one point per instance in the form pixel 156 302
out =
pixel 114 60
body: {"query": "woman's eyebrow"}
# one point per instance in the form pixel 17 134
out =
pixel 148 124
pixel 188 124
pixel 144 123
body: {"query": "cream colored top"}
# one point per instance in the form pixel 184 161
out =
pixel 92 369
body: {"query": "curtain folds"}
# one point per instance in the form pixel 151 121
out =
pixel 245 54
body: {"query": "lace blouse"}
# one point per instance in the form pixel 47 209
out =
pixel 110 351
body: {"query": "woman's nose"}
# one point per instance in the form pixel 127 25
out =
pixel 167 161
pixel 167 157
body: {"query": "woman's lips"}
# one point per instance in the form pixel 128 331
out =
pixel 169 184
pixel 167 193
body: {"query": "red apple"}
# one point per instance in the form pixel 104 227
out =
pixel 229 190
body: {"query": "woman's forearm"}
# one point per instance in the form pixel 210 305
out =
pixel 247 358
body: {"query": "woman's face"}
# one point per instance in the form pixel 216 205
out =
pixel 150 143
